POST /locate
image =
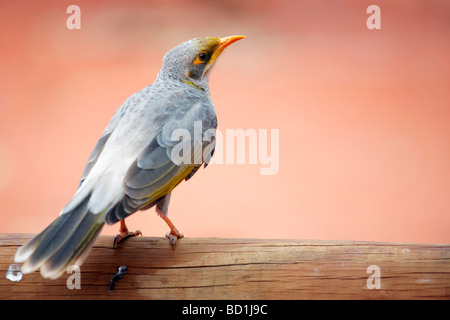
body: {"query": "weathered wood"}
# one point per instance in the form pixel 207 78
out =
pixel 212 268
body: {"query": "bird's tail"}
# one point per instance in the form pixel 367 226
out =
pixel 66 241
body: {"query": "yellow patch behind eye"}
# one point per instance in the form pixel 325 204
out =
pixel 197 61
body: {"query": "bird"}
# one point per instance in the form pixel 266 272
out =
pixel 136 163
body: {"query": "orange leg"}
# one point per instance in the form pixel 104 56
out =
pixel 124 233
pixel 174 234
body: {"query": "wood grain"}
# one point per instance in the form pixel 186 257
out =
pixel 213 268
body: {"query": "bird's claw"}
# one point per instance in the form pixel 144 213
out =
pixel 173 236
pixel 123 235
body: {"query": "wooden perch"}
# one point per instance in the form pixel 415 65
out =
pixel 212 268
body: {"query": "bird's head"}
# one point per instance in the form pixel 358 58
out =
pixel 192 60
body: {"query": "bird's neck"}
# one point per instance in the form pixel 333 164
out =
pixel 179 78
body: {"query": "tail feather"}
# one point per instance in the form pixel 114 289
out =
pixel 73 248
pixel 62 243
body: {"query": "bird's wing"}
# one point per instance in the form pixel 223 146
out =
pixel 157 170
pixel 105 136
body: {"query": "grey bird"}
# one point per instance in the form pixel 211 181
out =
pixel 137 162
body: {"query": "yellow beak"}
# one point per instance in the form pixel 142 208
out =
pixel 223 43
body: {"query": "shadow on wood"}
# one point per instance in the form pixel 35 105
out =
pixel 213 268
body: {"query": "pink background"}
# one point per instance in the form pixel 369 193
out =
pixel 363 114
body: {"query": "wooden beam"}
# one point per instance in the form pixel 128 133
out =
pixel 212 268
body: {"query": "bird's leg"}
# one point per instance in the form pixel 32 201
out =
pixel 124 233
pixel 174 234
pixel 162 208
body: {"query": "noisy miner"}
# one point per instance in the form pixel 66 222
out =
pixel 136 163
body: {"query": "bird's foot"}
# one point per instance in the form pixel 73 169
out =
pixel 173 236
pixel 124 233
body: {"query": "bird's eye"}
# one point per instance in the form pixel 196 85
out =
pixel 201 57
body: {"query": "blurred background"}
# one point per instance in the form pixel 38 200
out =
pixel 363 115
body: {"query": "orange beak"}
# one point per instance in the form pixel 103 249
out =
pixel 223 43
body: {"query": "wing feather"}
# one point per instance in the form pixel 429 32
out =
pixel 154 173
